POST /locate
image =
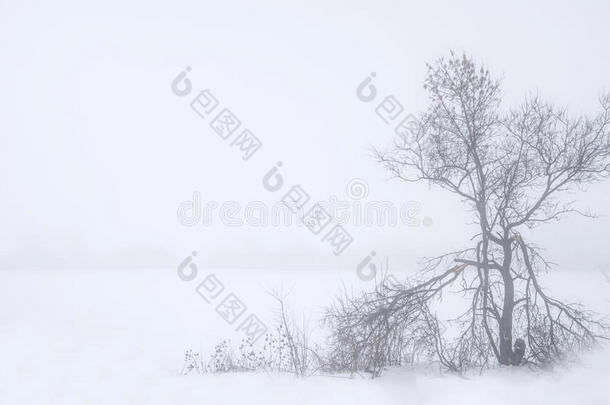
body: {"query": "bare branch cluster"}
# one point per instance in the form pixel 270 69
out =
pixel 512 169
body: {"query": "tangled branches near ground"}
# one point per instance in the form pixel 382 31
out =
pixel 553 329
pixel 511 170
pixel 394 324
pixel 385 327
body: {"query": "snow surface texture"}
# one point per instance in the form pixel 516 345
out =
pixel 119 336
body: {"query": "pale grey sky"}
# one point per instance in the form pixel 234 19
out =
pixel 97 153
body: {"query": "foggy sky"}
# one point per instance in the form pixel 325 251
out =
pixel 97 153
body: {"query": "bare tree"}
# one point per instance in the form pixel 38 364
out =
pixel 512 171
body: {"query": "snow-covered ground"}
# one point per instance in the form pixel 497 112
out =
pixel 118 336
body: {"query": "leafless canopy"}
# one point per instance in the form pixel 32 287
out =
pixel 511 169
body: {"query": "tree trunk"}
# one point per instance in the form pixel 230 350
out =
pixel 506 323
